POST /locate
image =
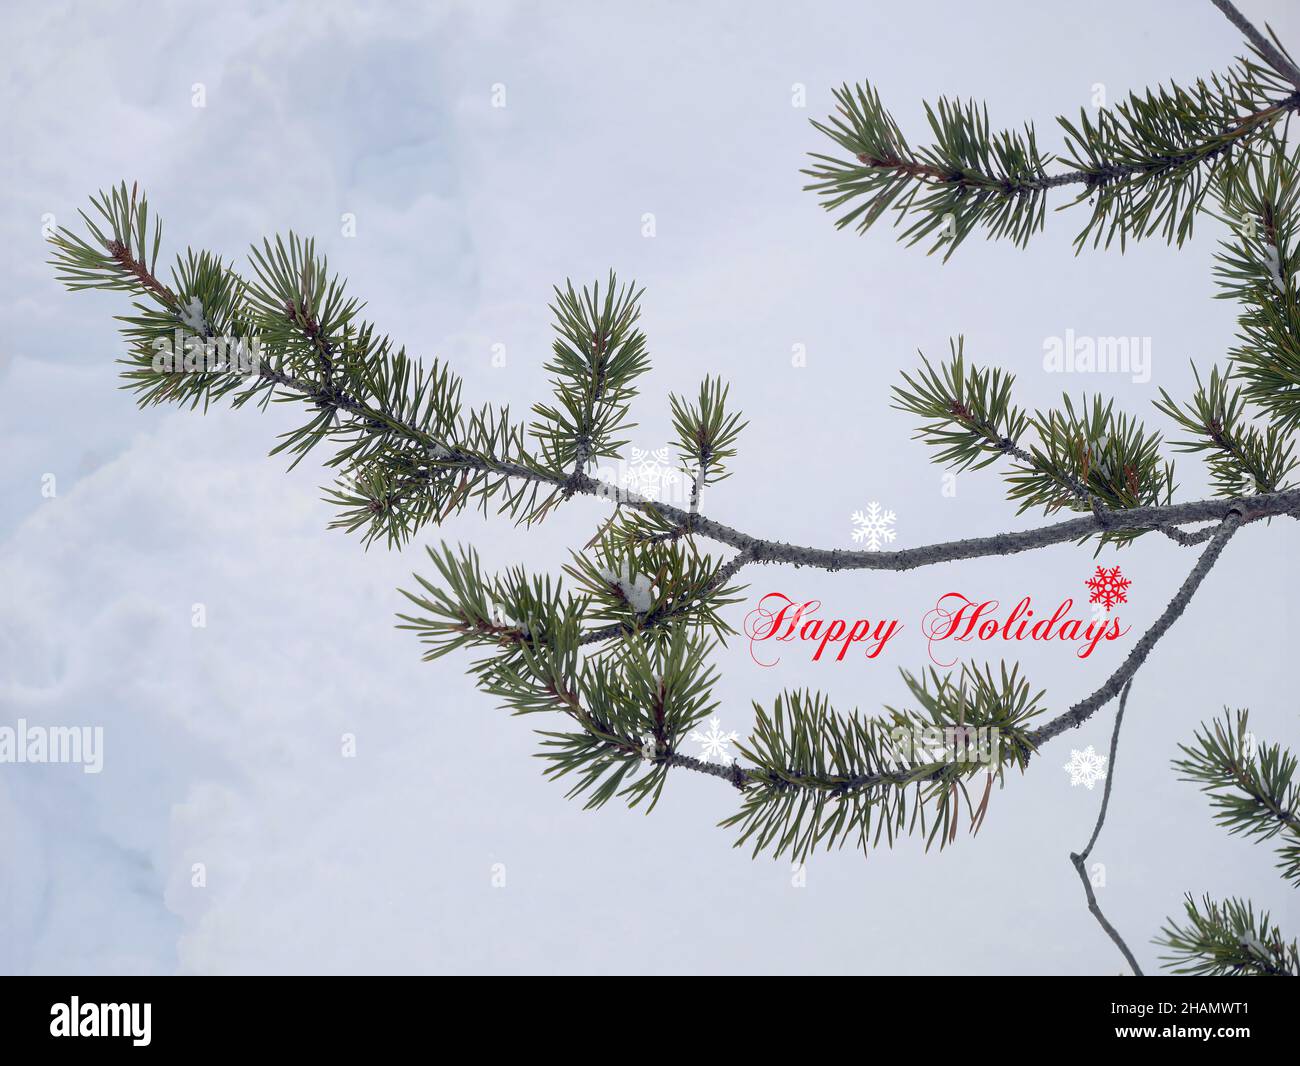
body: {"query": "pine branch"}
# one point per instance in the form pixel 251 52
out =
pixel 706 436
pixel 968 177
pixel 402 423
pixel 598 355
pixel 120 255
pixel 793 779
pixel 1241 458
pixel 1092 459
pixel 1145 166
pixel 633 708
pixel 1256 267
pixel 1097 461
pixel 821 777
pixel 971 419
pixel 1226 940
pixel 412 455
pixel 622 652
pixel 1253 792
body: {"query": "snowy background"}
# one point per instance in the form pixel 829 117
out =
pixel 222 743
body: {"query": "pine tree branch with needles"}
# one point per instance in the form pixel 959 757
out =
pixel 1227 939
pixel 618 648
pixel 1252 786
pixel 1144 166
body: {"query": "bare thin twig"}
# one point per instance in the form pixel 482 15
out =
pixel 1082 856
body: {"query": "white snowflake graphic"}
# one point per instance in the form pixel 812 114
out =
pixel 649 473
pixel 1108 587
pixel 1086 767
pixel 714 742
pixel 873 526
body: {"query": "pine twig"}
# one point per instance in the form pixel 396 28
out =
pixel 1082 857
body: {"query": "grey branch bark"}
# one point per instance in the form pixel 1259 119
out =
pixel 1082 857
pixel 1119 680
pixel 1187 540
pixel 1084 709
pixel 763 550
pixel 1249 509
pixel 1266 47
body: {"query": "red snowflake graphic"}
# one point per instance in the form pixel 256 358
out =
pixel 1108 587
